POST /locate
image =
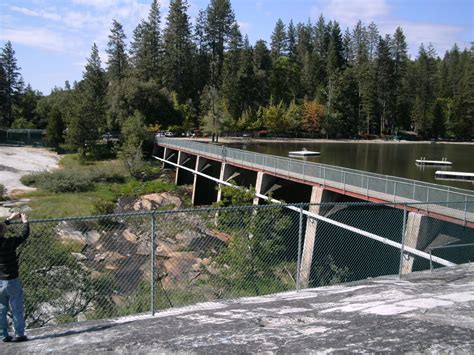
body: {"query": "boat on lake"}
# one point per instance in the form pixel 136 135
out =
pixel 303 153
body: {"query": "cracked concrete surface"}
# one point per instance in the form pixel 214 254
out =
pixel 423 312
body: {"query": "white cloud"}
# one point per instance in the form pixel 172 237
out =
pixel 348 12
pixel 37 38
pixel 96 3
pixel 37 13
pixel 245 27
pixel 442 37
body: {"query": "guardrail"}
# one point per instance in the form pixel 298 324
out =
pixel 384 187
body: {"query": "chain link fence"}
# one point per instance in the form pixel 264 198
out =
pixel 21 137
pixel 96 267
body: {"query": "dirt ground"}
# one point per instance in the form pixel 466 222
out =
pixel 18 161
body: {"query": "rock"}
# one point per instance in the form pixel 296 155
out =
pixel 111 267
pixel 164 199
pixel 67 232
pixel 109 256
pixel 79 256
pixel 149 202
pixel 131 237
pixel 181 267
pixel 164 249
pixel 144 247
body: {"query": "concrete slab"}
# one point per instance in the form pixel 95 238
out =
pixel 423 312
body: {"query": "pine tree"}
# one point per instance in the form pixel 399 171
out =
pixel 117 71
pixel 89 115
pixel 335 63
pixel 400 72
pixel 425 86
pixel 262 68
pixel 438 128
pixel 306 82
pixel 248 93
pixel 202 60
pixel 27 108
pixel 13 85
pixel 373 40
pixel 385 84
pixel 291 41
pixel 117 63
pixel 463 105
pixel 279 40
pixel 231 76
pixel 178 51
pixel 220 17
pixel 336 50
pixel 146 46
pixel 321 39
pixel 360 62
pixel 54 128
pixel 348 53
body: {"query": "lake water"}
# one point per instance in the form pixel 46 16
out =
pixel 383 158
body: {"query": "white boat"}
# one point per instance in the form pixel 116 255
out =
pixel 424 161
pixel 303 153
pixel 454 175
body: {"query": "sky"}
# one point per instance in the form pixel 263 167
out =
pixel 53 38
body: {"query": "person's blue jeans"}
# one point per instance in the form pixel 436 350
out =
pixel 11 294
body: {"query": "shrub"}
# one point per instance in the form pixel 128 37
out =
pixel 59 181
pixel 72 180
pixel 102 207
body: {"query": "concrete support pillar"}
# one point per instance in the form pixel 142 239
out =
pixel 226 172
pixel 199 162
pixel 420 231
pixel 259 189
pixel 310 236
pixel 180 155
pixel 412 239
pixel 165 153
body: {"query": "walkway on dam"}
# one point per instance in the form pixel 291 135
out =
pixel 442 202
pixel 423 312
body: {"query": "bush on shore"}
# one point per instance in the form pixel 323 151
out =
pixel 74 180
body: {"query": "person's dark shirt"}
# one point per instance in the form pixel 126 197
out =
pixel 8 257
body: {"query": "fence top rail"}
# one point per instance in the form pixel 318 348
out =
pixel 219 148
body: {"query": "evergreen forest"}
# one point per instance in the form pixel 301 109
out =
pixel 312 79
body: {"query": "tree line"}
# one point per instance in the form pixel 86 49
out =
pixel 312 79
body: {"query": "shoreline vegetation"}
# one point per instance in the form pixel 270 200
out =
pixel 319 140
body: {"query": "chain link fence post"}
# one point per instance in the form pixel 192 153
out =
pixel 153 263
pixel 300 237
pixel 400 271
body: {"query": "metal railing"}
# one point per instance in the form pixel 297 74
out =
pixel 384 187
pixel 106 266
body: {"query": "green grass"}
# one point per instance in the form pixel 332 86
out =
pixel 49 205
pixel 46 204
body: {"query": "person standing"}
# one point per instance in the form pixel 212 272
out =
pixel 11 289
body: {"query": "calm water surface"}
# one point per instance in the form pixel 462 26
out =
pixel 389 159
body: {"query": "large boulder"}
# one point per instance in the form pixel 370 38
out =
pixel 149 202
pixel 69 232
